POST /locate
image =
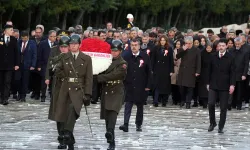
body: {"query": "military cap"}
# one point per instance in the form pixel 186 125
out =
pixel 75 38
pixel 7 26
pixel 62 33
pixel 64 41
pixel 116 45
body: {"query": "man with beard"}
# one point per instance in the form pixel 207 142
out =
pixel 220 83
pixel 137 83
pixel 56 85
pixel 112 91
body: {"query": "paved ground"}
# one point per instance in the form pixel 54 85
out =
pixel 25 126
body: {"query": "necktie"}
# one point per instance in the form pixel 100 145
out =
pixel 7 41
pixel 51 43
pixel 24 46
pixel 74 56
pixel 221 55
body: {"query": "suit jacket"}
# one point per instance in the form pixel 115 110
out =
pixel 221 72
pixel 9 55
pixel 29 56
pixel 43 56
pixel 139 77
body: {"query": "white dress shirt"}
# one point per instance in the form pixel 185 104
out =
pixel 5 38
pixel 136 54
pixel 222 54
pixel 50 43
pixel 75 53
pixel 25 45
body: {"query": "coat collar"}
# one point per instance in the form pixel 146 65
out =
pixel 81 58
pixel 114 64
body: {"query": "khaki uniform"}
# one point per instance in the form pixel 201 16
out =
pixel 70 99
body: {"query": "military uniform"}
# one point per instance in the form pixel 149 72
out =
pixel 130 25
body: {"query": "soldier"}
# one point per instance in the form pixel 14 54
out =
pixel 57 82
pixel 130 18
pixel 137 84
pixel 113 91
pixel 75 70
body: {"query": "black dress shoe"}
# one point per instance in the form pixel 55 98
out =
pixel 32 95
pixel 182 104
pixel 188 106
pixel 43 99
pixel 109 136
pixel 164 104
pixel 220 131
pixel 145 103
pixel 6 102
pixel 204 106
pixel 138 128
pixel 37 97
pixel 71 147
pixel 229 107
pixel 155 104
pixel 239 108
pixel 211 127
pixel 62 146
pixel 124 128
pixel 111 146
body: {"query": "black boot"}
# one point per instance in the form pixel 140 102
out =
pixel 109 136
pixel 111 146
pixel 195 104
pixel 69 139
pixel 32 95
pixel 188 106
pixel 211 127
pixel 61 142
pixel 182 104
pixel 124 128
pixel 138 128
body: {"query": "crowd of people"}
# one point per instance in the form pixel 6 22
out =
pixel 207 68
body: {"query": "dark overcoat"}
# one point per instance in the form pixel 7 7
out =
pixel 162 65
pixel 139 77
pixel 112 86
pixel 70 92
pixel 190 65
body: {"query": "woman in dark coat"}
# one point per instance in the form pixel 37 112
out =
pixel 202 87
pixel 163 68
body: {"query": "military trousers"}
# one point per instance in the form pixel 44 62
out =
pixel 60 127
pixel 139 113
pixel 71 119
pixel 110 119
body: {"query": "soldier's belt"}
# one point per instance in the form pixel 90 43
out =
pixel 114 82
pixel 74 80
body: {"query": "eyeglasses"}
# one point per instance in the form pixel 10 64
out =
pixel 52 36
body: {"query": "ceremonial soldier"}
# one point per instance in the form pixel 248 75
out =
pixel 137 83
pixel 130 18
pixel 75 70
pixel 57 82
pixel 112 91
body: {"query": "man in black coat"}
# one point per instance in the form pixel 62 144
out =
pixel 9 61
pixel 241 60
pixel 137 83
pixel 44 52
pixel 189 69
pixel 220 83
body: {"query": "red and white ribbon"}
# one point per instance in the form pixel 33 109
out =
pixel 166 53
pixel 141 63
pixel 148 51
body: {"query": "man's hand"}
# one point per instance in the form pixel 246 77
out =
pixel 231 89
pixel 197 74
pixel 32 68
pixel 39 69
pixel 86 100
pixel 171 74
pixel 47 82
pixel 184 47
pixel 243 78
pixel 207 87
pixel 147 89
pixel 16 67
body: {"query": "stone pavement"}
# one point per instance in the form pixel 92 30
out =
pixel 25 126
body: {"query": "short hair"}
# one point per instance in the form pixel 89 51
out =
pixel 51 31
pixel 117 32
pixel 152 34
pixel 188 38
pixel 71 29
pixel 133 29
pixel 145 35
pixel 238 39
pixel 190 31
pixel 223 40
pixel 40 28
pixel 109 22
pixel 231 31
pixel 16 30
pixel 136 40
pixel 78 27
pixel 161 31
pixel 243 34
pixel 100 32
pixel 24 33
pixel 210 31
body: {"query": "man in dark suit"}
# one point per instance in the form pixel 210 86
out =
pixel 137 83
pixel 28 55
pixel 221 82
pixel 241 62
pixel 44 52
pixel 9 61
